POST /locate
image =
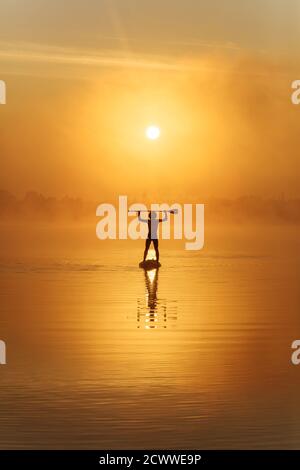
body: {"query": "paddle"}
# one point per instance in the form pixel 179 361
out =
pixel 170 211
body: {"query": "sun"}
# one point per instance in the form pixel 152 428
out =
pixel 153 132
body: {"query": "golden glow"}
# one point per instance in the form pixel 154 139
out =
pixel 153 132
pixel 104 127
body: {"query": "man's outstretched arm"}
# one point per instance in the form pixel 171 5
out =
pixel 165 217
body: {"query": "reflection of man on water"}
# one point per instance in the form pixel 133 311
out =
pixel 149 312
pixel 153 313
pixel 151 278
pixel 153 222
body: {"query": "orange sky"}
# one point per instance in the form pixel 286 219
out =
pixel 84 81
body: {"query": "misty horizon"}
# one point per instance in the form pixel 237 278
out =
pixel 232 210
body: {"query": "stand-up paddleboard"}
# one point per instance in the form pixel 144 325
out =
pixel 150 264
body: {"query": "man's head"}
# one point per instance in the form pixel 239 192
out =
pixel 152 215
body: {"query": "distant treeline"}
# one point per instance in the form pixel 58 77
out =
pixel 253 209
pixel 38 207
pixel 35 206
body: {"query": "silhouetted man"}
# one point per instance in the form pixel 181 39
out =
pixel 152 222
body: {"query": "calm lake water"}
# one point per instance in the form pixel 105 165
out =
pixel 195 355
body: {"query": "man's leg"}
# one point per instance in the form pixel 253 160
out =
pixel 155 243
pixel 147 245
